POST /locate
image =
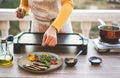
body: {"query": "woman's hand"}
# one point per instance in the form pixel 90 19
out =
pixel 20 12
pixel 50 37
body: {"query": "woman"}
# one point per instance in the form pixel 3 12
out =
pixel 50 16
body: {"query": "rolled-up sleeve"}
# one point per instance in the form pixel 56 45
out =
pixel 66 10
pixel 24 4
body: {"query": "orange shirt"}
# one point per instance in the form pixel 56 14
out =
pixel 67 7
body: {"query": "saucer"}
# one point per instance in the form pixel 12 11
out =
pixel 95 60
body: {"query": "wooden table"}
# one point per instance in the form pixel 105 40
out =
pixel 110 68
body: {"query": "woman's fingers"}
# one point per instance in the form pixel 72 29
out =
pixel 49 41
pixel 44 40
pixel 18 10
pixel 20 13
pixel 52 43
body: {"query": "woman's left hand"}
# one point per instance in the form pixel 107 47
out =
pixel 50 37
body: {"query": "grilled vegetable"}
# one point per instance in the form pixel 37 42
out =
pixel 41 61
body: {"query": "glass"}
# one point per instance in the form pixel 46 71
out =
pixel 6 57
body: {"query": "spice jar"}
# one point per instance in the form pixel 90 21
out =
pixel 6 57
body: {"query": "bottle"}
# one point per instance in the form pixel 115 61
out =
pixel 6 57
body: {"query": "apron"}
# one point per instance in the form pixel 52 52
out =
pixel 44 12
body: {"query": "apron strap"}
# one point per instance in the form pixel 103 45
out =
pixel 59 4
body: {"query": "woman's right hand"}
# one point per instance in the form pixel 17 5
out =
pixel 20 12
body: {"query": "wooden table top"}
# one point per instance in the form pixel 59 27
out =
pixel 109 68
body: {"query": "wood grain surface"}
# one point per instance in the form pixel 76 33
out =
pixel 109 68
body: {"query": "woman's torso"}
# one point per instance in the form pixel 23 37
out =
pixel 44 10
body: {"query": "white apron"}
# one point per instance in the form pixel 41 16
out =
pixel 44 11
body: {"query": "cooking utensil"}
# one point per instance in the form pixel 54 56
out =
pixel 78 53
pixel 64 39
pixel 109 34
pixel 101 22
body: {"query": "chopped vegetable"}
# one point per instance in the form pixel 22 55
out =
pixel 45 59
pixel 53 62
pixel 31 57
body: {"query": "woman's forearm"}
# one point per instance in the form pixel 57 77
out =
pixel 67 7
